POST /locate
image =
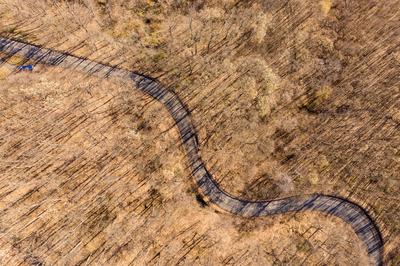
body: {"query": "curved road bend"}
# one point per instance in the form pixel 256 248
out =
pixel 353 214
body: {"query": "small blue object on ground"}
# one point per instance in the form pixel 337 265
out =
pixel 27 67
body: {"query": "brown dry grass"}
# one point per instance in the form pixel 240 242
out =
pixel 88 177
pixel 304 93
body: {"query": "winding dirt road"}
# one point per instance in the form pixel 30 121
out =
pixel 363 225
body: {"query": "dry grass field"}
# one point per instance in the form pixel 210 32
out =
pixel 288 97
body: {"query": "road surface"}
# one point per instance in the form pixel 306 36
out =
pixel 353 214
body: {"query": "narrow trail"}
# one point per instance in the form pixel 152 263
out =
pixel 351 213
